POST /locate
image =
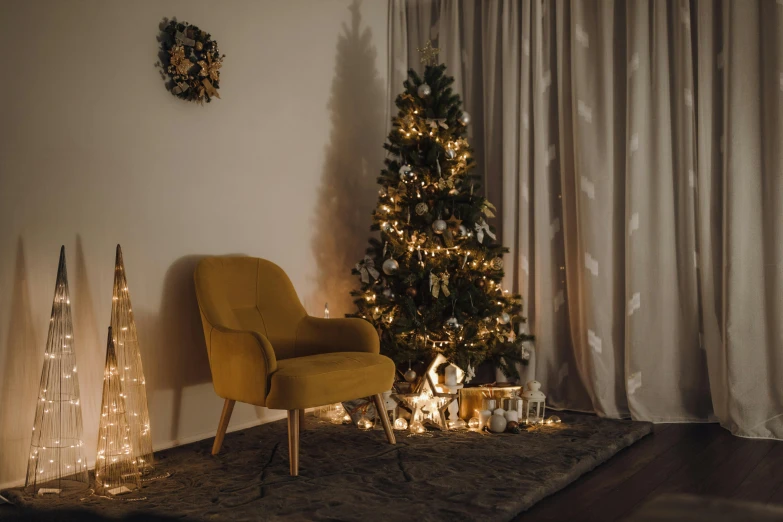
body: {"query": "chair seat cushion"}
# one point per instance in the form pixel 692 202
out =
pixel 316 380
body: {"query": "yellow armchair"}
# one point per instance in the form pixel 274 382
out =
pixel 265 350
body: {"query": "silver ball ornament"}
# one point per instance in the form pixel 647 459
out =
pixel 496 264
pixel 424 90
pixel 410 375
pixel 453 324
pixel 407 173
pixel 451 154
pixel 421 208
pixel 439 226
pixel 464 118
pixel 390 266
pixel 504 317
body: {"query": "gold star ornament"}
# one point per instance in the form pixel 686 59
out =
pixel 429 54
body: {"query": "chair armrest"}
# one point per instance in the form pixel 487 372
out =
pixel 241 362
pixel 315 335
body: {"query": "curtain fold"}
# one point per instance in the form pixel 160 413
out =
pixel 634 152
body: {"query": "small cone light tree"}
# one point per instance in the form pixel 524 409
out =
pixel 130 368
pixel 116 472
pixel 56 461
pixel 432 283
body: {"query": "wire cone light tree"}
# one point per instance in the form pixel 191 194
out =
pixel 56 461
pixel 432 283
pixel 116 471
pixel 130 368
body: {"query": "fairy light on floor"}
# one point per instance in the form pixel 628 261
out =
pixel 116 471
pixel 130 368
pixel 56 461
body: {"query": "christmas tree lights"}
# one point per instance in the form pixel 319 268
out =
pixel 56 461
pixel 116 471
pixel 130 368
pixel 440 290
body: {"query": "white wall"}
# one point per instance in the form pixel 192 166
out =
pixel 94 152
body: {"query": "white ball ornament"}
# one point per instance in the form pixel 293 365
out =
pixel 504 317
pixel 439 226
pixel 497 423
pixel 424 90
pixel 390 266
pixel 464 118
pixel 410 375
pixel 453 324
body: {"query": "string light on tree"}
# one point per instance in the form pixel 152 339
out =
pixel 56 461
pixel 129 366
pixel 116 469
pixel 438 291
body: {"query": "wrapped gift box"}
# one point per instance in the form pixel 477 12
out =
pixel 471 399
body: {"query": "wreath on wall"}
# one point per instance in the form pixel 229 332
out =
pixel 191 62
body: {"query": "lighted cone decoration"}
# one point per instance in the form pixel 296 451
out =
pixel 116 472
pixel 56 461
pixel 130 368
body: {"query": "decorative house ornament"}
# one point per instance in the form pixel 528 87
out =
pixel 533 403
pixel 56 461
pixel 116 472
pixel 192 61
pixel 130 368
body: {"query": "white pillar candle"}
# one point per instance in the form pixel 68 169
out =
pixel 450 375
pixel 484 416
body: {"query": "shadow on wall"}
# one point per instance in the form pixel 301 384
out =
pixel 348 190
pixel 175 334
pixel 90 348
pixel 21 375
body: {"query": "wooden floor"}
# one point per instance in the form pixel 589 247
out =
pixel 700 459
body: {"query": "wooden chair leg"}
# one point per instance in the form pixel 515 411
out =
pixel 301 420
pixel 228 408
pixel 380 408
pixel 293 442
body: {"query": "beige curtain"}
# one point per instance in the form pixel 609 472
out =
pixel 635 151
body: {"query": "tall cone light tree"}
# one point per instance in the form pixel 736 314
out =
pixel 432 283
pixel 56 461
pixel 116 472
pixel 130 368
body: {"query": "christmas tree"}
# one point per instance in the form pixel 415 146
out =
pixel 432 283
pixel 130 367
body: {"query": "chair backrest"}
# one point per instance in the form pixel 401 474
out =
pixel 248 293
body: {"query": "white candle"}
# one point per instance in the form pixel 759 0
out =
pixel 484 416
pixel 450 374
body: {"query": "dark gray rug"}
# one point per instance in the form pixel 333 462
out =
pixel 346 474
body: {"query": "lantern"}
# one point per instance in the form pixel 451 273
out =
pixel 533 403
